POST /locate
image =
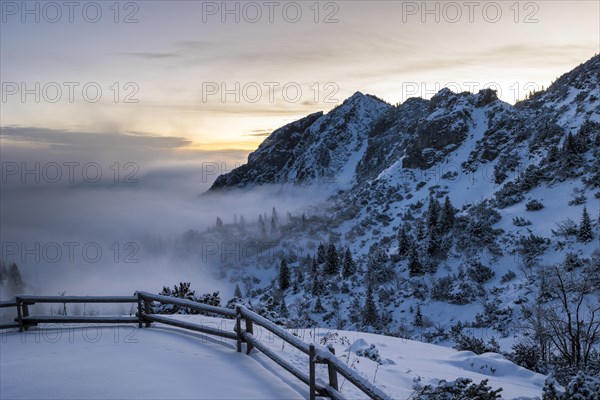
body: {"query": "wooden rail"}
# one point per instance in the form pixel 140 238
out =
pixel 242 335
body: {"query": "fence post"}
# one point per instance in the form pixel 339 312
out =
pixel 333 381
pixel 250 330
pixel 19 313
pixel 238 327
pixel 139 302
pixel 311 371
pixel 148 310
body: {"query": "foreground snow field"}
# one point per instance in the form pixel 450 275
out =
pixel 163 362
pixel 124 362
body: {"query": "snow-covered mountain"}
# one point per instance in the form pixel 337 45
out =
pixel 364 136
pixel 315 149
pixel 454 219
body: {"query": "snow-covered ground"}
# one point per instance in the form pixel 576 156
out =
pixel 165 362
pixel 124 362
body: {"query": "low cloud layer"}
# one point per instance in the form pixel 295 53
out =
pixel 88 236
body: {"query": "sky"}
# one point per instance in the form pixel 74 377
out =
pixel 116 116
pixel 215 76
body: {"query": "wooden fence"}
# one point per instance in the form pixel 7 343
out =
pixel 243 334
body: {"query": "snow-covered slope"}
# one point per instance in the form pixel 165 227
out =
pixel 165 362
pixel 462 208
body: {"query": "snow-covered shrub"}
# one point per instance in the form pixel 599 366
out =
pixel 441 290
pixel 520 221
pixel 507 277
pixel 461 388
pixel 479 272
pixel 371 352
pixel 527 356
pixel 581 387
pixel 465 292
pixel 534 205
pixel 531 247
pixel 476 345
pixel 566 228
pixel 184 291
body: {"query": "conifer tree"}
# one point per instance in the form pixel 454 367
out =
pixel 370 316
pixel 237 292
pixel 3 272
pixel 349 264
pixel 404 242
pixel 284 276
pixel 319 306
pixel 585 233
pixel 274 221
pixel 415 267
pixel 418 317
pixel 317 286
pixel 447 216
pixel 321 256
pixel 261 226
pixel 332 262
pixel 433 212
pixel 219 223
pixel 15 281
pixel 299 276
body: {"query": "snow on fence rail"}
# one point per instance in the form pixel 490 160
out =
pixel 145 316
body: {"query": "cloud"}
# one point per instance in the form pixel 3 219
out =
pixel 77 140
pixel 151 55
pixel 259 132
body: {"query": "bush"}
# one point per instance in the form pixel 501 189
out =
pixel 507 277
pixel 184 291
pixel 476 345
pixel 462 388
pixel 442 288
pixel 531 247
pixel 527 356
pixel 520 221
pixel 479 272
pixel 533 205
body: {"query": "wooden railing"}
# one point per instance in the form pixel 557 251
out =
pixel 243 334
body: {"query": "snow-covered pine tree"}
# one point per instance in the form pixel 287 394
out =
pixel 3 272
pixel 321 256
pixel 219 223
pixel 433 212
pixel 418 317
pixel 15 283
pixel 371 315
pixel 299 276
pixel 261 226
pixel 415 267
pixel 378 268
pixel 349 268
pixel 332 264
pixel 317 287
pixel 319 309
pixel 549 392
pixel 585 233
pixel 404 242
pixel 284 276
pixel 237 292
pixel 274 221
pixel 447 216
